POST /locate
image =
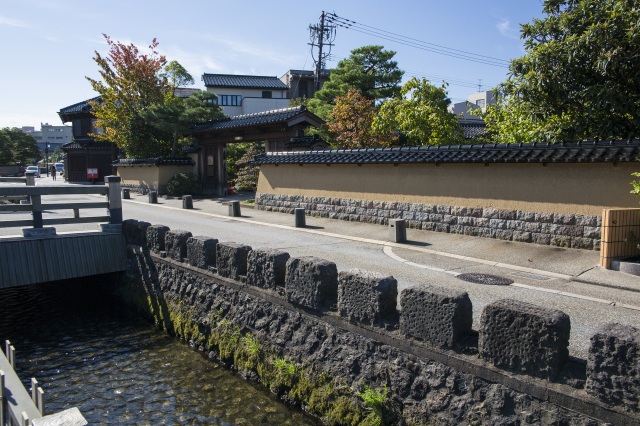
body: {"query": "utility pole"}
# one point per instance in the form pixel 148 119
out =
pixel 322 35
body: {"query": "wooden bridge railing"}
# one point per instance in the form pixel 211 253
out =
pixel 17 408
pixel 112 205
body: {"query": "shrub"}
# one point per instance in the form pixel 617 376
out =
pixel 183 184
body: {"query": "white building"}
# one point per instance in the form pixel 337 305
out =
pixel 55 136
pixel 247 94
pixel 474 101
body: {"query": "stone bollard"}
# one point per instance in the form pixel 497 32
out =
pixel 201 252
pixel 175 244
pixel 525 338
pixel 439 316
pixel 300 218
pixel 231 260
pixel 613 365
pixel 266 268
pixel 155 235
pixel 366 297
pixel 234 209
pixel 187 202
pixel 153 197
pixel 126 194
pixel 311 282
pixel 398 230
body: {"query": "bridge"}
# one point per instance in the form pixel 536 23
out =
pixel 40 254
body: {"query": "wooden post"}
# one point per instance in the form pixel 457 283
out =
pixel 31 179
pixel 36 205
pixel 34 390
pixel 40 402
pixel 2 420
pixel 25 419
pixel 115 199
pixel 10 352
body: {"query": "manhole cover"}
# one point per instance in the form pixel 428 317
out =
pixel 485 279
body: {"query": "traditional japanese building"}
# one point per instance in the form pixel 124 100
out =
pixel 84 154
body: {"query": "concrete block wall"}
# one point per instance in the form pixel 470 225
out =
pixel 516 336
pixel 561 230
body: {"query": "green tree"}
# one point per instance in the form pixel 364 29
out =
pixel 369 70
pixel 420 114
pixel 17 146
pixel 247 173
pixel 177 115
pixel 177 75
pixel 578 79
pixel 131 82
pixel 351 123
pixel 235 152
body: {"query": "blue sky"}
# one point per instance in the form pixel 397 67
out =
pixel 48 46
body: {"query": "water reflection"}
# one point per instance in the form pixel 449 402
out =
pixel 88 352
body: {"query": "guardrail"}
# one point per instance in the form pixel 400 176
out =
pixel 17 407
pixel 36 207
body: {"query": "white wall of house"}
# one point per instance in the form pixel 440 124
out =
pixel 474 101
pixel 237 101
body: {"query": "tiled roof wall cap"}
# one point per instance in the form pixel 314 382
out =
pixel 609 151
pixel 123 162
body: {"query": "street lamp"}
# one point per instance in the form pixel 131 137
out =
pixel 46 157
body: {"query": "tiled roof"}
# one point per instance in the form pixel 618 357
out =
pixel 245 81
pixel 80 107
pixel 259 118
pixel 84 143
pixel 159 161
pixel 305 141
pixel 579 152
pixel 472 128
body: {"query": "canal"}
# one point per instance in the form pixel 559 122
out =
pixel 117 368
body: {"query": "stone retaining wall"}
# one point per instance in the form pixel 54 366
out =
pixel 561 230
pixel 426 356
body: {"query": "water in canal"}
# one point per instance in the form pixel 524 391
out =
pixel 117 368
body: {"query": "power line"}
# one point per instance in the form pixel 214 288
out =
pixel 415 43
pixel 430 77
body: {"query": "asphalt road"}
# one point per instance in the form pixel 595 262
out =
pixel 428 259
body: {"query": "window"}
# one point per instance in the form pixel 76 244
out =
pixel 267 94
pixel 480 103
pixel 229 100
pixel 303 89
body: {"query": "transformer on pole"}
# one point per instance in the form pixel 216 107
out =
pixel 322 36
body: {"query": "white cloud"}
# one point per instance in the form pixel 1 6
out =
pixel 506 29
pixel 12 22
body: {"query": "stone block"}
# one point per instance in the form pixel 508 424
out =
pixel 266 268
pixel 311 282
pixel 231 260
pixel 582 243
pixel 523 237
pixel 201 251
pixel 613 366
pixel 155 237
pixel 439 316
pixel 525 338
pixel 135 231
pixel 561 241
pixel 175 244
pixel 366 297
